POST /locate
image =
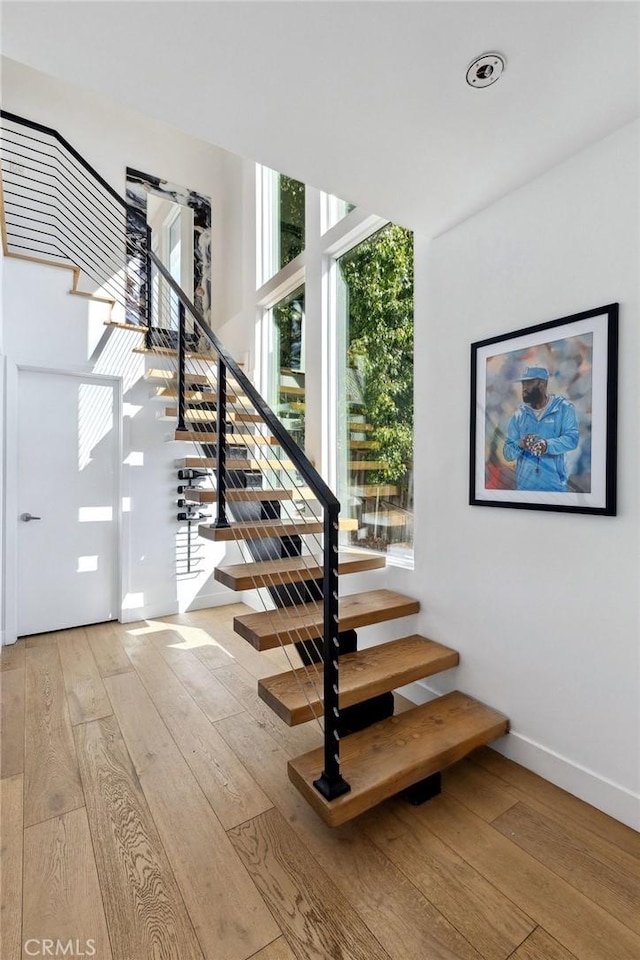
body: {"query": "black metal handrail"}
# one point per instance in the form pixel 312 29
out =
pixel 6 115
pixel 331 784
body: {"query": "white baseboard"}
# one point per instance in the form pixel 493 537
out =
pixel 212 600
pixel 612 798
pixel 149 612
pixel 154 610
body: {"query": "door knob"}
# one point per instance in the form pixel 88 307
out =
pixel 27 516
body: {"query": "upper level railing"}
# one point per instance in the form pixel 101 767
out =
pixel 57 208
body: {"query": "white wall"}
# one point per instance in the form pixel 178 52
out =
pixel 543 607
pixel 112 138
pixel 45 326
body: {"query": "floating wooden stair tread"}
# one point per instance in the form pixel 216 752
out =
pixel 192 396
pixel 170 376
pixel 387 518
pixel 203 463
pixel 273 627
pixel 172 352
pixel 257 529
pixel 133 327
pixel 363 444
pixel 292 391
pixel 205 436
pixel 374 490
pixel 296 696
pixel 356 465
pixel 210 415
pixel 266 573
pixel 240 494
pixel 392 755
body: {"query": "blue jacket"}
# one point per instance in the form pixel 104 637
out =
pixel 559 427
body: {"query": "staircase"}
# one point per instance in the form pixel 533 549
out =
pixel 236 456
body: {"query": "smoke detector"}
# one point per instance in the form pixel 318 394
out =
pixel 485 70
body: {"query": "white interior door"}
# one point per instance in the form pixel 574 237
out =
pixel 68 446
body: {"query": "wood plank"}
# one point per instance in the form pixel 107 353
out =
pixel 241 494
pixel 171 376
pixel 487 918
pixel 488 796
pixel 41 640
pixel 303 622
pixel 587 868
pixel 315 918
pixel 388 757
pixel 145 912
pixel 191 396
pixel 257 529
pixel 52 780
pixel 365 465
pixel 11 827
pixel 400 917
pixel 477 790
pixel 293 740
pixel 12 655
pixel 296 696
pixel 171 352
pixel 133 327
pixel 105 640
pixel 203 463
pixel 581 925
pixel 534 787
pixel 363 444
pixel 374 490
pixel 93 297
pixel 540 946
pixel 246 576
pixel 209 634
pixel 86 695
pixel 233 439
pixel 229 917
pixel 212 697
pixel 209 416
pixel 278 950
pixel 12 683
pixel 232 793
pixel 293 391
pixel 62 899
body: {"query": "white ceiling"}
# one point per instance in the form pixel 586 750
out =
pixel 366 99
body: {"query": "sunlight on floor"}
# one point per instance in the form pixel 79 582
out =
pixel 192 637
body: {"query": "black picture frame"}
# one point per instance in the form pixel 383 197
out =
pixel 558 450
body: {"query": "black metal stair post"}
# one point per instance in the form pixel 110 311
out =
pixel 149 298
pixel 182 403
pixel 331 783
pixel 221 449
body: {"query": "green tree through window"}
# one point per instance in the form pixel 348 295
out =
pixel 377 288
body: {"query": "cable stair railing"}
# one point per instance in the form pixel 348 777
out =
pixel 268 498
pixel 46 218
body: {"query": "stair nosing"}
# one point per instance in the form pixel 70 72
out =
pixel 312 630
pixel 310 568
pixel 443 658
pixel 491 725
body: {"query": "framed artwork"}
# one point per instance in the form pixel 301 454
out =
pixel 543 416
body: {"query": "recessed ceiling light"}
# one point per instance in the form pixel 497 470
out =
pixel 485 70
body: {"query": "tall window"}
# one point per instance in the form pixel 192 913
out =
pixel 291 219
pixel 281 216
pixel 287 375
pixel 375 391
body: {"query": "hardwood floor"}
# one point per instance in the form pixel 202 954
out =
pixel 147 815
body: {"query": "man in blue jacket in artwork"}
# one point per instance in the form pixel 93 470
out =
pixel 541 431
